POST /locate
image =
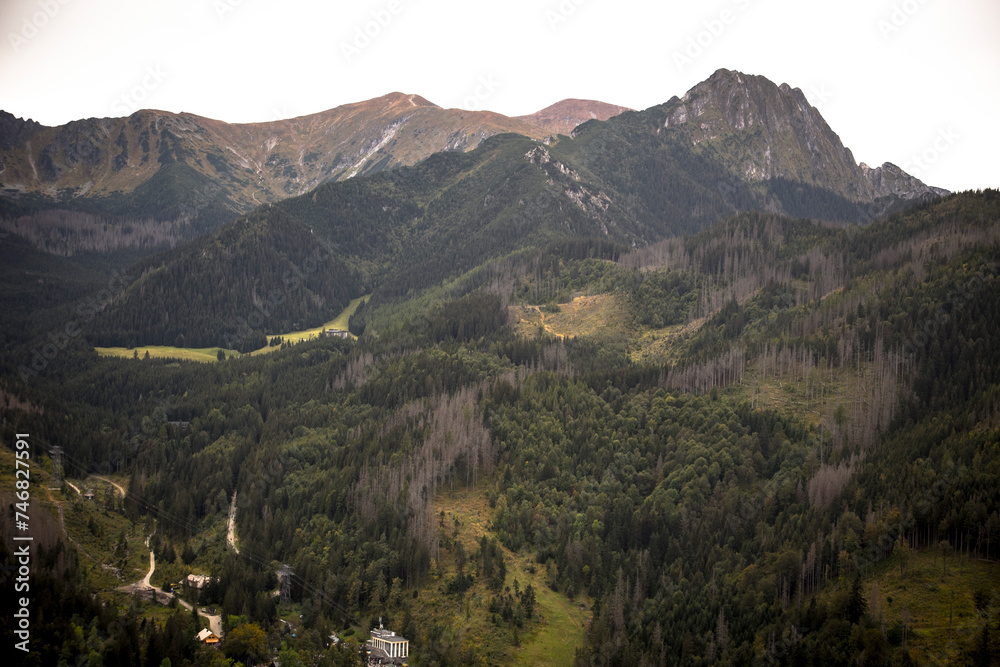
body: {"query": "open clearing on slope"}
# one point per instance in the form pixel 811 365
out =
pixel 203 355
pixel 602 316
pixel 339 322
pixel 606 318
pixel 561 622
pixel 938 598
pixel 211 354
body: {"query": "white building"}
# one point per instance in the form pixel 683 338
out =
pixel 199 581
pixel 337 333
pixel 388 643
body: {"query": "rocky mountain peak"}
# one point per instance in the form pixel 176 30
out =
pixel 15 131
pixel 764 131
pixel 890 180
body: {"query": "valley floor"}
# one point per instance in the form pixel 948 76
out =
pixel 211 354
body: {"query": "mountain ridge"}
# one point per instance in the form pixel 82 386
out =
pixel 181 175
pixel 812 152
pixel 343 134
pixel 566 115
pixel 254 144
pixel 197 173
pixel 632 180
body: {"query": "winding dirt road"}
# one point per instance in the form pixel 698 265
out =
pixel 120 488
pixel 231 531
pixel 214 622
pixel 145 585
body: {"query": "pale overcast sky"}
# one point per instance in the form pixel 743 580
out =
pixel 914 82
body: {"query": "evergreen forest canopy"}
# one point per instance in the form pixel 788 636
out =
pixel 767 416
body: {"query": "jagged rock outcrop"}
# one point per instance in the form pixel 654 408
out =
pixel 891 181
pixel 762 131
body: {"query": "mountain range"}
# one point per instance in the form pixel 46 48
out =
pixel 66 186
pixel 683 385
pixel 733 143
pixel 198 173
pixel 481 186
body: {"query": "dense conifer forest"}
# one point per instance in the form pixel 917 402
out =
pixel 786 410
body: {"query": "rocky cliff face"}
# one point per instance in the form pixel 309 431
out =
pixel 763 131
pixel 891 181
pixel 15 131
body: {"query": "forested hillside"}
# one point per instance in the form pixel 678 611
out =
pixel 733 143
pixel 411 228
pixel 298 263
pixel 788 411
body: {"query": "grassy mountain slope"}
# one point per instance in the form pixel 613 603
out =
pixel 198 172
pixel 287 156
pixel 255 163
pixel 563 117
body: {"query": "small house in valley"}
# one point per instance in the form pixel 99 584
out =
pixel 206 636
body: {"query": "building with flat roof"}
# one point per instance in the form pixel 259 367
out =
pixel 337 333
pixel 386 643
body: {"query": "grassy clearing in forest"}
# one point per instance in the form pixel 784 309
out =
pixel 203 355
pixel 602 316
pixel 935 591
pixel 211 354
pixel 931 594
pixel 661 345
pixel 559 624
pixel 97 531
pixel 339 322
